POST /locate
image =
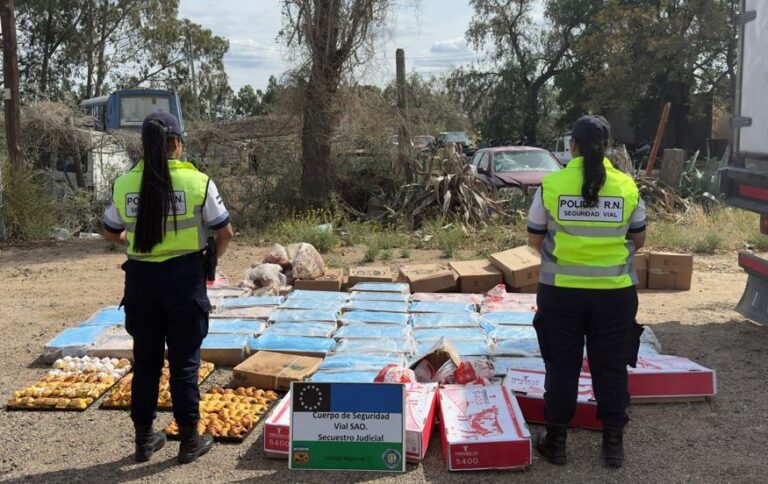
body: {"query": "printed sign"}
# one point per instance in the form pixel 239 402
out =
pixel 575 209
pixel 347 426
pixel 132 204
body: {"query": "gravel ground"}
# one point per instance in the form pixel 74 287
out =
pixel 49 287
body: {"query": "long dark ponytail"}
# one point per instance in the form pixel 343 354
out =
pixel 156 194
pixel 594 170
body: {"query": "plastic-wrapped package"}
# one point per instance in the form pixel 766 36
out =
pixel 303 344
pixel 434 334
pixel 647 349
pixel 312 304
pixel 473 371
pixel 395 374
pixel 307 262
pixel 109 315
pixel 439 320
pixel 318 295
pixel 505 318
pixel 370 331
pixel 379 296
pixel 649 337
pixel 512 332
pixel 251 301
pixel 258 312
pixel 76 341
pixel 517 347
pixel 474 347
pixel 298 315
pixel 266 275
pixel 381 306
pixel 314 329
pixel 503 364
pixel 374 346
pixel 475 299
pixel 226 292
pixel 278 255
pixel 401 287
pixel 344 377
pixel 249 327
pixel 507 307
pixel 352 317
pixel 360 362
pixel 442 307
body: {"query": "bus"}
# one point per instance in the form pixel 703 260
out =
pixel 127 108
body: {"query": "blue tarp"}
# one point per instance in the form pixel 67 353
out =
pixel 314 329
pixel 75 341
pixel 352 317
pixel 250 301
pixel 364 330
pixel 437 320
pixel 275 342
pixel 441 307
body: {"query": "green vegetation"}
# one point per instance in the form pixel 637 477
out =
pixel 316 227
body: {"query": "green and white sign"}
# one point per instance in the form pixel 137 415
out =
pixel 347 426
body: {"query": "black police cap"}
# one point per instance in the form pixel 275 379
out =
pixel 591 128
pixel 168 120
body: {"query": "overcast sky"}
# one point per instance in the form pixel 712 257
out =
pixel 432 34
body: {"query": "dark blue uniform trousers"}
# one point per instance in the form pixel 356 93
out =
pixel 166 303
pixel 606 319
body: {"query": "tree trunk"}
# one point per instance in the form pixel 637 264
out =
pixel 46 53
pixel 316 145
pixel 101 65
pixel 531 119
pixel 89 50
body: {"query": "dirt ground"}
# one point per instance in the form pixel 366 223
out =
pixel 48 287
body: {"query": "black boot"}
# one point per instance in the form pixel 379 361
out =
pixel 613 448
pixel 551 445
pixel 193 445
pixel 147 442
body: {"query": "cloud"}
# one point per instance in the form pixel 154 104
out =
pixel 450 46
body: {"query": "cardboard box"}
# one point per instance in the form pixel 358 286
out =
pixel 482 427
pixel 641 269
pixel 520 266
pixel 435 357
pixel 276 371
pixel 670 378
pixel 670 271
pixel 528 388
pixel 476 276
pixel 331 281
pixel 277 430
pixel 529 289
pixel 370 274
pixel 421 406
pixel 224 349
pixel 428 278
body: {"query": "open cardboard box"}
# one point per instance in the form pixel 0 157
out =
pixel 528 388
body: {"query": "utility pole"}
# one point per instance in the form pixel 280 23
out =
pixel 11 95
pixel 404 140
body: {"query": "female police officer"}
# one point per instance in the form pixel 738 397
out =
pixel 162 210
pixel 587 221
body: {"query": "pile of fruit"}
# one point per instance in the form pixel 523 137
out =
pixel 230 412
pixel 72 384
pixel 120 397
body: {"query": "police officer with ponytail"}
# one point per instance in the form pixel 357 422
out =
pixel 587 221
pixel 162 210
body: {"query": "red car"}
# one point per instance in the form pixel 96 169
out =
pixel 513 170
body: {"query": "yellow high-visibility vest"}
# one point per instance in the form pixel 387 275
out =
pixel 189 192
pixel 587 247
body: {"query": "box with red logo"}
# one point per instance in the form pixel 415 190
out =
pixel 528 388
pixel 421 405
pixel 277 429
pixel 660 378
pixel 482 427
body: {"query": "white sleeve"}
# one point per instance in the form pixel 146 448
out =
pixel 112 220
pixel 638 220
pixel 537 215
pixel 215 214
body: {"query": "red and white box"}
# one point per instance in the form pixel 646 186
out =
pixel 659 378
pixel 277 429
pixel 528 388
pixel 421 405
pixel 482 427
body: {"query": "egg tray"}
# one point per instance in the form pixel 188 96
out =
pixel 105 405
pixel 240 440
pixel 23 408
